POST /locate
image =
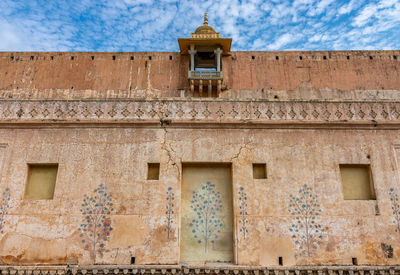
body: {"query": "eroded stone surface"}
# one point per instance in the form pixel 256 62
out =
pixel 123 114
pixel 117 157
pixel 37 75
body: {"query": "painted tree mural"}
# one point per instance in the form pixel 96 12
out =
pixel 169 210
pixel 96 224
pixel 5 202
pixel 394 198
pixel 207 204
pixel 306 232
pixel 243 221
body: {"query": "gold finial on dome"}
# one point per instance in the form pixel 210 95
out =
pixel 205 31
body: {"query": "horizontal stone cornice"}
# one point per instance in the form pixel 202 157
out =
pixel 217 111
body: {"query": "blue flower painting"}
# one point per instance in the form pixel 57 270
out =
pixel 394 198
pixel 169 210
pixel 5 201
pixel 243 221
pixel 306 232
pixel 206 226
pixel 96 227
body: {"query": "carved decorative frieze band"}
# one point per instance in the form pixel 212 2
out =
pixel 228 111
pixel 224 270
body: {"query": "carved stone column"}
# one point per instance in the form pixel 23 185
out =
pixel 218 56
pixel 192 52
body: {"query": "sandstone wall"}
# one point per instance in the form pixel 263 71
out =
pixel 46 231
pixel 164 74
pixel 102 117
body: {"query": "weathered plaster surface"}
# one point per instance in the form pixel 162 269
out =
pixel 37 75
pixel 104 120
pixel 118 157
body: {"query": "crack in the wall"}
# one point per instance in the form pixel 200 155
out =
pixel 171 153
pixel 247 146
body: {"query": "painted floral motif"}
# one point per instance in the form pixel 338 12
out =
pixel 96 223
pixel 306 232
pixel 395 208
pixel 5 202
pixel 169 210
pixel 207 204
pixel 243 221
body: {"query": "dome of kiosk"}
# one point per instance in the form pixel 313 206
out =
pixel 205 29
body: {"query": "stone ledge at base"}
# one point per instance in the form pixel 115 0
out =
pixel 219 269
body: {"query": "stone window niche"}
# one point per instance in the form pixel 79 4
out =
pixel 259 171
pixel 357 182
pixel 153 171
pixel 41 181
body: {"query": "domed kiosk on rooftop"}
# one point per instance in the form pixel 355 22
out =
pixel 205 47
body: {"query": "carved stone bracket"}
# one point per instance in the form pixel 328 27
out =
pixel 193 111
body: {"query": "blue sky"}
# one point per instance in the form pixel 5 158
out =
pixel 149 25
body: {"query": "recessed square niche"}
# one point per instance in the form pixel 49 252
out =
pixel 41 181
pixel 259 171
pixel 357 182
pixel 153 171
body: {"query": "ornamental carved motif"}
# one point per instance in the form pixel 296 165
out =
pixel 221 111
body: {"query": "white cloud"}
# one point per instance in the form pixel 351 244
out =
pixel 8 38
pixel 320 7
pixel 349 7
pixel 365 15
pixel 315 38
pixel 387 3
pixel 282 41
